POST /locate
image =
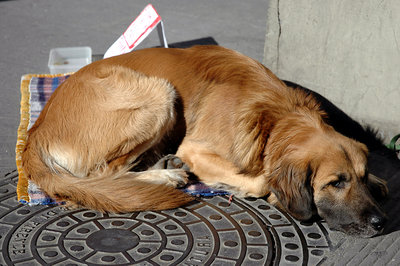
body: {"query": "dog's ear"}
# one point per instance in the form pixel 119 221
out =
pixel 377 187
pixel 290 181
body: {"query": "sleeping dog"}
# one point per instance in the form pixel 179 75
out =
pixel 236 126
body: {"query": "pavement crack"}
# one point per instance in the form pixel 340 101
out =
pixel 279 35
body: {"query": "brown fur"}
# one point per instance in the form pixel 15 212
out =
pixel 245 131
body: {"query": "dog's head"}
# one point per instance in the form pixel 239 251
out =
pixel 325 173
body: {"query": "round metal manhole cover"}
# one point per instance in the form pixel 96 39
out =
pixel 211 231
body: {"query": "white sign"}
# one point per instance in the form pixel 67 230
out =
pixel 140 28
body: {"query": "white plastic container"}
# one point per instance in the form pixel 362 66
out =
pixel 69 59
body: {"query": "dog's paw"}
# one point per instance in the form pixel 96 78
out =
pixel 71 206
pixel 237 192
pixel 171 161
pixel 176 177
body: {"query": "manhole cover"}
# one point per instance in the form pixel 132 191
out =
pixel 211 231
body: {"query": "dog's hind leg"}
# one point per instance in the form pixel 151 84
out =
pixel 98 123
pixel 170 161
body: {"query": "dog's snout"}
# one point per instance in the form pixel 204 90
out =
pixel 377 221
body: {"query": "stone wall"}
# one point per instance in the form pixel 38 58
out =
pixel 347 50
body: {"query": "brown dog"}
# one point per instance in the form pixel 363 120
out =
pixel 243 129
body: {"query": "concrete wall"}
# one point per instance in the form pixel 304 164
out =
pixel 347 50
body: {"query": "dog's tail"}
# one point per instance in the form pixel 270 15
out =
pixel 109 191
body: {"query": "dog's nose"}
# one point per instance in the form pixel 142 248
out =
pixel 377 221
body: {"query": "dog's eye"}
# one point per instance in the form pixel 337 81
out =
pixel 337 183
